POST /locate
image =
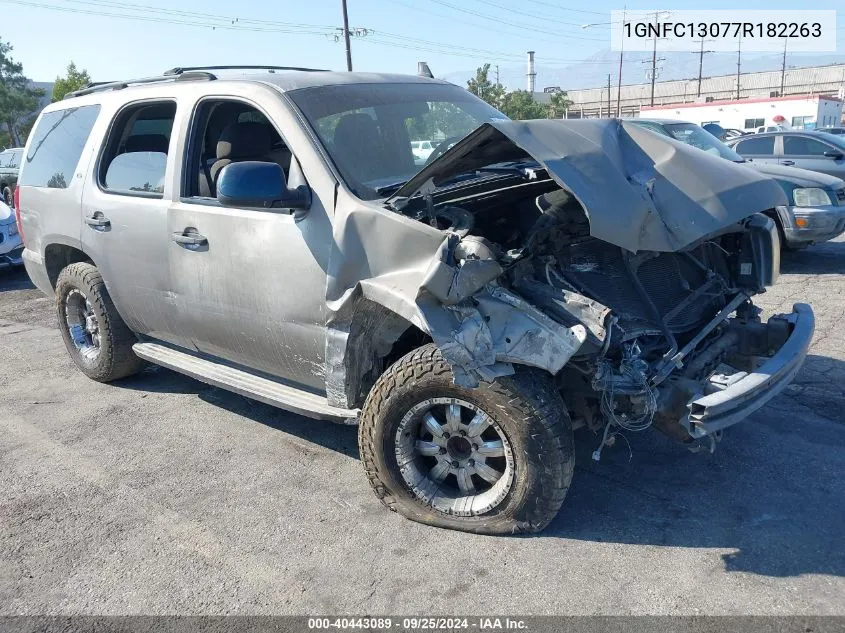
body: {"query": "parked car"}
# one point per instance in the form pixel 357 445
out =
pixel 731 132
pixel 10 162
pixel 270 233
pixel 770 128
pixel 816 151
pixel 422 150
pixel 815 209
pixel 11 245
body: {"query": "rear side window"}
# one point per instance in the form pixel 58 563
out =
pixel 134 158
pixel 55 146
pixel 763 146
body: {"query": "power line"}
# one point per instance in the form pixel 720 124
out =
pixel 243 24
pixel 145 18
pixel 557 6
pixel 476 25
pixel 514 25
pixel 528 14
pixel 133 6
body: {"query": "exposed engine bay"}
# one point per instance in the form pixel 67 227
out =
pixel 661 328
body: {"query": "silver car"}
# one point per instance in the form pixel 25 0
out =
pixel 815 209
pixel 816 151
pixel 271 234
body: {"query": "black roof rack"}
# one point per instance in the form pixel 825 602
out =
pixel 183 69
pixel 184 73
pixel 120 85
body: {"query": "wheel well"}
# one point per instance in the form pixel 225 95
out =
pixel 411 339
pixel 58 256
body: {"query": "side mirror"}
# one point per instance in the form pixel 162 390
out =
pixel 834 154
pixel 259 184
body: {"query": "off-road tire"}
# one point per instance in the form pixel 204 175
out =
pixel 116 358
pixel 8 198
pixel 526 407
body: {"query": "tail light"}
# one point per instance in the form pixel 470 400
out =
pixel 17 199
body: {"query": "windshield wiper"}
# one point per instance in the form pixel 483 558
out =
pixel 528 173
pixel 390 188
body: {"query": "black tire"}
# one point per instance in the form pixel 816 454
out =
pixel 8 198
pixel 525 406
pixel 114 358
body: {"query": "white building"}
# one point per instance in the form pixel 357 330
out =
pixel 796 111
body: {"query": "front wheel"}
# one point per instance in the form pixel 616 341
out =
pixel 497 459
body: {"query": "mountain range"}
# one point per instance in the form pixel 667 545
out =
pixel 592 72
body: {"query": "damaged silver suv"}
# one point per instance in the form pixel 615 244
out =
pixel 269 232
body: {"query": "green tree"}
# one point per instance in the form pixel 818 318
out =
pixel 559 104
pixel 18 99
pixel 75 80
pixel 482 87
pixel 520 105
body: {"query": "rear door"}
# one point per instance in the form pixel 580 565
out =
pixel 801 150
pixel 124 211
pixel 758 148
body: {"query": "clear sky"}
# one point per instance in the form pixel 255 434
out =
pixel 118 39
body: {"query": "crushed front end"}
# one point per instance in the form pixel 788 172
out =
pixel 682 347
pixel 621 262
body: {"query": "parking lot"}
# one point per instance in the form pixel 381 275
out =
pixel 159 494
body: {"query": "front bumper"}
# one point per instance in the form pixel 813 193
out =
pixel 708 414
pixel 822 223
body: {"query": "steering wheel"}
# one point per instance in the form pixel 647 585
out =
pixel 442 147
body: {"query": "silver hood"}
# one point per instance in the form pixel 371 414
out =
pixel 641 190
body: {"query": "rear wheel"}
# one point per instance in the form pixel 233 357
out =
pixel 96 337
pixel 497 459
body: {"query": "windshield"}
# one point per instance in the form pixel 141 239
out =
pixel 691 134
pixel 380 135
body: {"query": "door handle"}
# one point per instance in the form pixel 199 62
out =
pixel 98 221
pixel 190 238
pixel 787 162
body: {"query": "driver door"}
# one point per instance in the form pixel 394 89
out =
pixel 250 285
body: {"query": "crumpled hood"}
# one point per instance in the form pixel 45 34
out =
pixel 641 190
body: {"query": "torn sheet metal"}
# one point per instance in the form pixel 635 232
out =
pixel 498 328
pixel 641 190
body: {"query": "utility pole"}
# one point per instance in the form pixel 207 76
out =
pixel 701 63
pixel 738 64
pixel 497 73
pixel 346 37
pixel 654 58
pixel 608 95
pixel 621 52
pixel 783 68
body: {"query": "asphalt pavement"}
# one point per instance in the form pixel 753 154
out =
pixel 161 495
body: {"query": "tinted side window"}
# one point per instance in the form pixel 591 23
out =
pixel 56 145
pixel 803 146
pixel 134 158
pixel 764 146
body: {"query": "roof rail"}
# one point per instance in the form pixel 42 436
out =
pixel 102 86
pixel 184 69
